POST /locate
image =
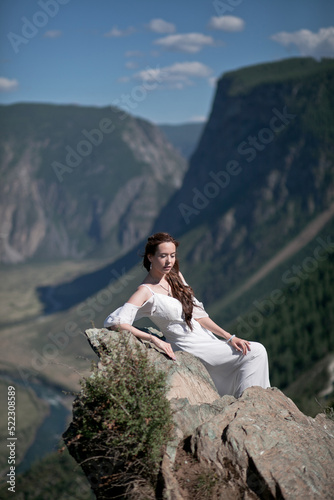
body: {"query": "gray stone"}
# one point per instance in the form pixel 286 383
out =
pixel 259 446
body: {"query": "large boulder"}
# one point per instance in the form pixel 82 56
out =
pixel 259 446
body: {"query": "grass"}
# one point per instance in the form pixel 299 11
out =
pixel 18 298
pixel 245 79
pixel 28 334
pixel 24 331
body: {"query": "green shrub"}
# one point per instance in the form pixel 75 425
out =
pixel 123 417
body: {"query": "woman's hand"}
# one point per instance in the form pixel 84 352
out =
pixel 240 345
pixel 164 346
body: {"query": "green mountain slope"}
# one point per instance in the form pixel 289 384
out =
pixel 295 320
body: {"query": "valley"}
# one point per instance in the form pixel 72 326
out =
pixel 257 248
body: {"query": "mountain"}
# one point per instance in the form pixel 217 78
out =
pixel 80 181
pixel 183 137
pixel 263 170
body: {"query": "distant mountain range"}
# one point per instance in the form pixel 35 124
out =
pixel 263 170
pixel 80 181
pixel 183 137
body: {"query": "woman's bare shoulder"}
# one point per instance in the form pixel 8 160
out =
pixel 141 295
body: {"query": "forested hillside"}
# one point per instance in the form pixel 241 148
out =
pixel 298 330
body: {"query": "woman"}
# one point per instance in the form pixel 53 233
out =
pixel 169 302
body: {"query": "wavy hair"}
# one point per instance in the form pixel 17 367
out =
pixel 180 290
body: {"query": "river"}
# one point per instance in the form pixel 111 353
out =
pixel 49 433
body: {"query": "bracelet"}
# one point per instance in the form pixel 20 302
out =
pixel 230 339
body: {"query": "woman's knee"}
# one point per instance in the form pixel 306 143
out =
pixel 258 349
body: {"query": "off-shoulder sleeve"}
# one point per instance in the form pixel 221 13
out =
pixel 198 310
pixel 128 313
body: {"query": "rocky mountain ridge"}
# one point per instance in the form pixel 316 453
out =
pixel 79 181
pixel 263 170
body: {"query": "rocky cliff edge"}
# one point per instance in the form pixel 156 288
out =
pixel 259 446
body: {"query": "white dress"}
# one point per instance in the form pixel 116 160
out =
pixel 231 371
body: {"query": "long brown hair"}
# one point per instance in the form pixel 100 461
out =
pixel 180 291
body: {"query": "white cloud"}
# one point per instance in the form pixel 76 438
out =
pixel 193 68
pixel 115 32
pixel 178 75
pixel 134 53
pixel 7 85
pixel 52 34
pixel 123 79
pixel 188 42
pixel 131 65
pixel 317 45
pixel 227 23
pixel 213 81
pixel 161 26
pixel 198 119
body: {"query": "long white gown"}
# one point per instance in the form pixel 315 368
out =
pixel 231 371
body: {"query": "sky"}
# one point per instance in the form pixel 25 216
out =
pixel 157 59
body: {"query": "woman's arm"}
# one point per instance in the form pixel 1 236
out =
pixel 164 346
pixel 138 299
pixel 239 344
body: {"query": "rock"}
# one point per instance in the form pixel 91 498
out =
pixel 273 448
pixel 259 446
pixel 186 377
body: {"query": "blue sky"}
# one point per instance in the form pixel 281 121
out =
pixel 157 59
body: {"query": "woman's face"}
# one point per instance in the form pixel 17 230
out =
pixel 164 258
